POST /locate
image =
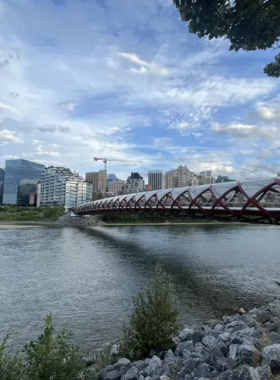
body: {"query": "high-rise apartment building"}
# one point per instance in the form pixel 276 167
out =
pixel 179 177
pixel 156 179
pixel 134 184
pixel 115 187
pixel 99 183
pixel 15 172
pixel 206 173
pixel 2 176
pixel 62 187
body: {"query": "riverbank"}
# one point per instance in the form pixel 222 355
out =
pixel 244 346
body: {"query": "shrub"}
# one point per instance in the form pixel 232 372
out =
pixel 154 319
pixel 10 368
pixel 53 356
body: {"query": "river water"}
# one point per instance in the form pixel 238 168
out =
pixel 87 276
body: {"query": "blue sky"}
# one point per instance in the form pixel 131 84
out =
pixel 125 79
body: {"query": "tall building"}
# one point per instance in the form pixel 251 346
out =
pixel 15 172
pixel 134 184
pixel 205 180
pixel 179 177
pixel 26 187
pixel 206 173
pixel 115 187
pixel 110 178
pixel 221 179
pixel 62 187
pixel 99 183
pixel 2 176
pixel 156 179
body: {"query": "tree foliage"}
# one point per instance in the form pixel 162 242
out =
pixel 154 318
pixel 247 24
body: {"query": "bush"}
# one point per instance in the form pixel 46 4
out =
pixel 154 319
pixel 10 368
pixel 51 357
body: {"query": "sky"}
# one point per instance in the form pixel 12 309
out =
pixel 125 79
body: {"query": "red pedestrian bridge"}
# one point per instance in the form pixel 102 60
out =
pixel 256 201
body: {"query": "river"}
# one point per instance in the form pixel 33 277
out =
pixel 87 276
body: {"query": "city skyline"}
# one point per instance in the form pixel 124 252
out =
pixel 130 82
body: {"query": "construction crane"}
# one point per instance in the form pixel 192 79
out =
pixel 105 160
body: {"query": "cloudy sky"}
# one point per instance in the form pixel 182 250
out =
pixel 125 79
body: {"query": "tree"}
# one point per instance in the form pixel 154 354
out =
pixel 247 24
pixel 154 320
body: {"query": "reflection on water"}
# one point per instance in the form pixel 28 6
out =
pixel 86 277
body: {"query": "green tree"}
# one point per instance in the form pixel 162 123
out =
pixel 247 24
pixel 154 318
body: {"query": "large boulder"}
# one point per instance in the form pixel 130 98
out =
pixel 263 316
pixel 209 341
pixel 264 372
pixel 243 372
pixel 249 355
pixel 197 336
pixel 235 326
pixel 169 357
pixel 153 367
pixel 271 357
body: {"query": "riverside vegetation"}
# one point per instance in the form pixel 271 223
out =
pixel 43 214
pixel 239 347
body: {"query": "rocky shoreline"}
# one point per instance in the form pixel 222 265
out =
pixel 68 220
pixel 245 346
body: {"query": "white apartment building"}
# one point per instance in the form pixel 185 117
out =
pixel 134 184
pixel 62 187
pixel 156 179
pixel 179 177
pixel 115 187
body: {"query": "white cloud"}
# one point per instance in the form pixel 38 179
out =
pixel 243 130
pixel 7 137
pixel 145 67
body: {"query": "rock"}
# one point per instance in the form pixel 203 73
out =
pixel 219 327
pixel 241 311
pixel 164 377
pixel 131 374
pixel 186 354
pixel 124 361
pixel 249 355
pixel 186 334
pixel 225 337
pixel 263 316
pixel 141 366
pixel 243 372
pixel 169 357
pixel 209 341
pixel 233 351
pixel 141 377
pixel 147 360
pixel 89 361
pixel 271 357
pixel 191 364
pixel 184 346
pixel 164 370
pixel 214 333
pixel 274 337
pixel 153 367
pixel 113 375
pixel 196 337
pixel 104 371
pixel 199 348
pixel 236 326
pixel 201 371
pixel 264 372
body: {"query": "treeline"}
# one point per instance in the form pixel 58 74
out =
pixel 16 213
pixel 118 217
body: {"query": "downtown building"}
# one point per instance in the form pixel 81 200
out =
pixel 62 187
pixel 115 187
pixel 21 176
pixel 99 183
pixel 2 176
pixel 134 184
pixel 179 177
pixel 156 179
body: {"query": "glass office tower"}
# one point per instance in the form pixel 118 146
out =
pixel 15 172
pixel 2 175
